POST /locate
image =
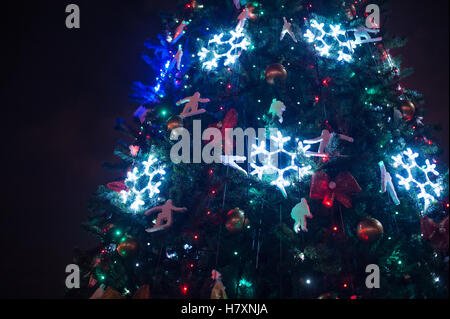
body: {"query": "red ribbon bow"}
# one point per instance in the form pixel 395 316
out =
pixel 436 233
pixel 341 188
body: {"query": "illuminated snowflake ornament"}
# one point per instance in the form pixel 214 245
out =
pixel 269 161
pixel 143 182
pixel 224 47
pixel 322 40
pixel 424 185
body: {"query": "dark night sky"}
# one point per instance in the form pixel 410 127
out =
pixel 64 89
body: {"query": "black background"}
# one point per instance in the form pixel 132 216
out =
pixel 61 92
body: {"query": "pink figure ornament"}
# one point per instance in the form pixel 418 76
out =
pixel 134 150
pixel 300 213
pixel 242 18
pixel 164 219
pixel 191 107
pixel 237 4
pixel 179 31
pixel 177 58
pixel 287 28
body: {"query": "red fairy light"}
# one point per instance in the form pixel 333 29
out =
pixel 196 237
pixel 184 289
pixel 317 99
pixel 335 228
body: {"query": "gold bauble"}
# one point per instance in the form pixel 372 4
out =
pixel 408 110
pixel 274 72
pixel 369 230
pixel 235 220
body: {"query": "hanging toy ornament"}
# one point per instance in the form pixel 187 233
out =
pixel 141 113
pixel 275 72
pixel 436 233
pixel 324 139
pixel 218 290
pixel 230 160
pixel 164 219
pixel 191 108
pixel 235 221
pixel 134 150
pixel 387 185
pixel 179 32
pixel 287 28
pixel 343 186
pixel 408 110
pixel 127 247
pixel 177 59
pixel 300 213
pixel 369 230
pixel 237 4
pixel 242 18
pixel 277 108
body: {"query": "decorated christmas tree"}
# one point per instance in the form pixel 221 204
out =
pixel 339 194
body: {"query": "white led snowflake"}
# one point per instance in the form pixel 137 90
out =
pixel 319 38
pixel 143 182
pixel 271 158
pixel 423 186
pixel 229 49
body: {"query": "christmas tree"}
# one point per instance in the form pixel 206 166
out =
pixel 342 195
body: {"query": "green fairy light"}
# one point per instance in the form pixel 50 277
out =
pixel 244 283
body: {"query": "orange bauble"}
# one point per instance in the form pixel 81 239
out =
pixel 369 230
pixel 236 220
pixel 275 72
pixel 174 122
pixel 127 247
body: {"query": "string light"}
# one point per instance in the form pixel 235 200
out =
pixel 268 168
pixel 236 43
pixel 410 165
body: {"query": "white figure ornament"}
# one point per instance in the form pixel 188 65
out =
pixel 324 140
pixel 164 219
pixel 229 160
pixel 300 213
pixel 191 107
pixel 362 36
pixel 277 108
pixel 287 28
pixel 387 185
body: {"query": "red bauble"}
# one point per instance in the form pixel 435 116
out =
pixel 436 233
pixel 236 220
